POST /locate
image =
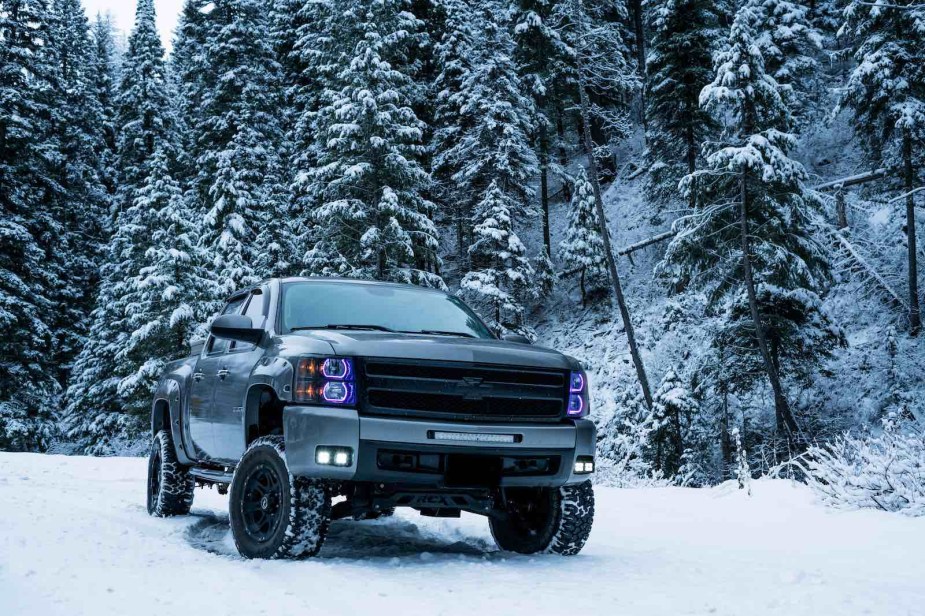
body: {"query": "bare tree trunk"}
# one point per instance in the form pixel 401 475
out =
pixel 544 195
pixel 691 162
pixel 563 150
pixel 460 237
pixel 602 221
pixel 584 294
pixel 639 32
pixel 785 420
pixel 915 319
pixel 840 212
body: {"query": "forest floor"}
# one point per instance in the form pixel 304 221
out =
pixel 76 540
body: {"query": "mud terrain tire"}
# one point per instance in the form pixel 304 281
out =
pixel 273 514
pixel 546 520
pixel 170 485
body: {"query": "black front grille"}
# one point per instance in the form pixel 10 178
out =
pixel 462 391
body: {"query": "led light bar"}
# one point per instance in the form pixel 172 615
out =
pixel 474 437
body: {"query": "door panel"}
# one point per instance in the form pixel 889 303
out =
pixel 228 405
pixel 202 389
pixel 200 416
pixel 231 387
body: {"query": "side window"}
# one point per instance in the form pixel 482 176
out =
pixel 256 311
pixel 215 345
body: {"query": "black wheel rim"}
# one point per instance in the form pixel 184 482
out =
pixel 262 503
pixel 528 512
pixel 154 478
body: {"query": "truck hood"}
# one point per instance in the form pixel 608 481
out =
pixel 440 348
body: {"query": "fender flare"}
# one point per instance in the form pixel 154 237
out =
pixel 274 374
pixel 169 392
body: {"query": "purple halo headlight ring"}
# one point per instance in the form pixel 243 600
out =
pixel 576 405
pixel 338 392
pixel 577 383
pixel 340 369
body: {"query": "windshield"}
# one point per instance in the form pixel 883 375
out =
pixel 339 305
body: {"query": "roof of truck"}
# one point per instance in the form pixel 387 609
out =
pixel 356 281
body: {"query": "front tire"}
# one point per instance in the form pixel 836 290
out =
pixel 273 514
pixel 170 485
pixel 545 520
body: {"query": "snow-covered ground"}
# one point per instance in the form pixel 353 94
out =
pixel 76 539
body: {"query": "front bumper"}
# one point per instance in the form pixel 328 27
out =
pixel 307 428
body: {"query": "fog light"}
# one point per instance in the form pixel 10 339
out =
pixel 333 456
pixel 584 465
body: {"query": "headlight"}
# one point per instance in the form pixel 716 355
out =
pixel 325 380
pixel 578 398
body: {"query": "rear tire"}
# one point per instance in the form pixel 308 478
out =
pixel 170 485
pixel 273 514
pixel 547 520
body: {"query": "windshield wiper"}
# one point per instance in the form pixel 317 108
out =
pixel 437 332
pixel 378 328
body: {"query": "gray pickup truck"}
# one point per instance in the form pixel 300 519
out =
pixel 321 399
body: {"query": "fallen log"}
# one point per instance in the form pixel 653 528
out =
pixel 851 180
pixel 867 267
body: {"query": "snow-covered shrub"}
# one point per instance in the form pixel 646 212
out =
pixel 885 472
pixel 743 473
pixel 623 459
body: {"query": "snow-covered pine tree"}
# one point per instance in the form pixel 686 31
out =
pixel 454 63
pixel 372 219
pixel 748 245
pixel 501 279
pixel 239 137
pixel 789 44
pixel 491 165
pixel 145 113
pixel 106 78
pixel 146 125
pixel 886 90
pixel 680 435
pixel 545 279
pixel 159 297
pixel 28 152
pixel 83 207
pixel 680 65
pixel 542 59
pixel 495 120
pixel 608 72
pixel 307 52
pixel 187 70
pixel 583 247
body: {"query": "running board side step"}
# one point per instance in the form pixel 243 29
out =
pixel 209 475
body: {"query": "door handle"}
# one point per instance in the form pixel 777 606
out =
pixel 222 373
pixel 198 376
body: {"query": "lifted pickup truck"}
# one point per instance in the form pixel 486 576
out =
pixel 321 399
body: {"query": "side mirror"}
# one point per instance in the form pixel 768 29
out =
pixel 516 338
pixel 236 327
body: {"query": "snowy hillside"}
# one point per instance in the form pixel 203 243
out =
pixel 77 540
